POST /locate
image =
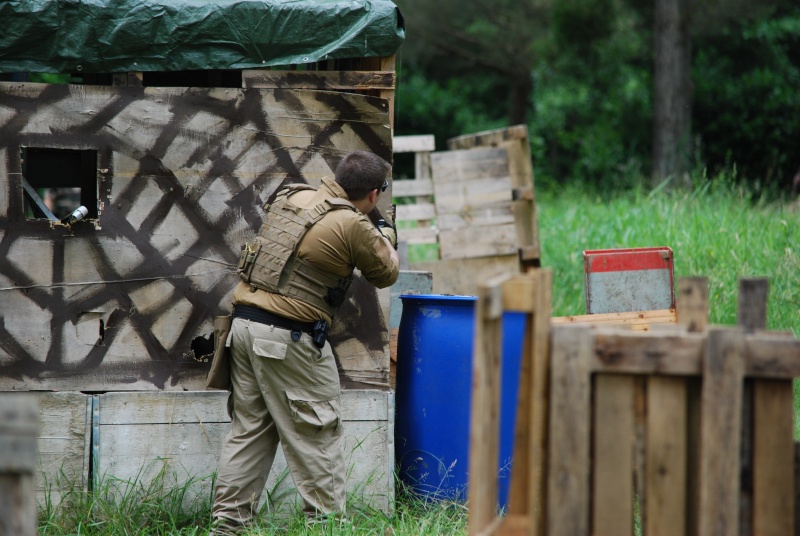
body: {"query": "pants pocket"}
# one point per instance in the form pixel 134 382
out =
pixel 315 409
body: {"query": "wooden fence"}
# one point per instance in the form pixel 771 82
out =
pixel 682 429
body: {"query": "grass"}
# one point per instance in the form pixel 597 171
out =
pixel 717 231
pixel 160 507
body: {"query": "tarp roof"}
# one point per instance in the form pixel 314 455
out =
pixel 104 36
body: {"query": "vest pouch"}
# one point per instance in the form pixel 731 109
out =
pixel 219 375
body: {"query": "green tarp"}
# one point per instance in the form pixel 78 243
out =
pixel 104 36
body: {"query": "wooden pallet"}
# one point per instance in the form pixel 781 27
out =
pixel 614 417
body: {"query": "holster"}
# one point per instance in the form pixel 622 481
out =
pixel 219 375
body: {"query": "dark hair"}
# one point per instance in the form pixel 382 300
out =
pixel 360 172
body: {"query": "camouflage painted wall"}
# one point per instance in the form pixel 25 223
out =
pixel 127 300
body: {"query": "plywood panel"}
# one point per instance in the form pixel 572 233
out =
pixel 142 434
pixel 126 301
pixel 64 432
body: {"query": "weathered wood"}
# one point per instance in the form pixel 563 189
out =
pixel 484 441
pixel 539 408
pixel 140 435
pixel 569 423
pixel 181 182
pixel 488 138
pixel 475 219
pixel 412 187
pixel 751 315
pixel 612 482
pixel 468 195
pixel 64 445
pixel 461 276
pixel 414 143
pixel 638 320
pixel 723 371
pixel 471 242
pixel 418 235
pixel 417 211
pixel 692 301
pixel 515 140
pixel 773 454
pixel 18 431
pixel 322 80
pixel 530 293
pixel 666 456
pixel 645 353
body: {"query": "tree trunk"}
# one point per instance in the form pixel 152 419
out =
pixel 519 104
pixel 672 101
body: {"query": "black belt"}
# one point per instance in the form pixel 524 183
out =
pixel 261 316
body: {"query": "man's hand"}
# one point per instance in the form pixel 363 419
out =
pixel 389 234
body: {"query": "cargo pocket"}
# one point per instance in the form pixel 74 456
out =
pixel 269 348
pixel 315 409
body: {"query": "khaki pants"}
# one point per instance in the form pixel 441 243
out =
pixel 284 391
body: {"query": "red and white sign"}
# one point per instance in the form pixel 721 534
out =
pixel 635 279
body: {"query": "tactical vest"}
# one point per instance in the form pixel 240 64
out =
pixel 270 262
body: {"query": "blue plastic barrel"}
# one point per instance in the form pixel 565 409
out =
pixel 433 392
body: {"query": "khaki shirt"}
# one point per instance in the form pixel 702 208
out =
pixel 341 241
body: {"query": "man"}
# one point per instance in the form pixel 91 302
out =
pixel 285 385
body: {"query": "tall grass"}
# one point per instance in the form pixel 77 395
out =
pixel 159 506
pixel 718 232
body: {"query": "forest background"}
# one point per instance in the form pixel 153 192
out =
pixel 605 85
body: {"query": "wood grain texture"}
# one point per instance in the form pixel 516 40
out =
pixel 142 434
pixel 613 431
pixel 570 424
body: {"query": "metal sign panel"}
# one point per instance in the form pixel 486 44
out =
pixel 634 279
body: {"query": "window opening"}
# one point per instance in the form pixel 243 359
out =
pixel 59 181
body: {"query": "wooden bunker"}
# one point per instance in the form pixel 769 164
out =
pixel 172 122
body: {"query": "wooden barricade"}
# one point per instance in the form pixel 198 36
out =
pixel 421 210
pixel 683 429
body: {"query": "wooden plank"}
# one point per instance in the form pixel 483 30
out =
pixel 18 431
pixel 474 242
pixel 666 456
pixel 321 80
pixel 751 315
pixel 419 235
pixel 539 408
pixel 417 211
pixel 773 456
pixel 488 137
pixel 772 356
pixel 641 319
pixel 612 482
pixel 723 370
pixel 692 301
pixel 411 187
pixel 65 421
pixel 476 218
pixel 469 194
pixel 414 143
pixel 461 276
pixel 639 352
pixel 568 449
pixel 460 166
pixel 484 439
pixel 142 434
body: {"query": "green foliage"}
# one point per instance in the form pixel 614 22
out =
pixel 590 116
pixel 747 99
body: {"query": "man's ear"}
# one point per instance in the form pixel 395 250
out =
pixel 373 196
